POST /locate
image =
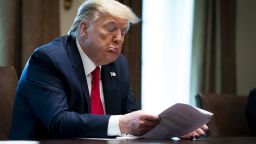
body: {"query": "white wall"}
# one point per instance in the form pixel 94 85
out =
pixel 67 16
pixel 166 51
pixel 246 46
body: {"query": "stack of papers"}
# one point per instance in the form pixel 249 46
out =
pixel 178 120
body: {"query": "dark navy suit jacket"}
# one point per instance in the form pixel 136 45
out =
pixel 52 98
pixel 250 111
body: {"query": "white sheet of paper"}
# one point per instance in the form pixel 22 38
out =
pixel 177 121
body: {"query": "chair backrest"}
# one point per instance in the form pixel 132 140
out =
pixel 8 83
pixel 229 115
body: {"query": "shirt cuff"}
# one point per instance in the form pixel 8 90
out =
pixel 113 126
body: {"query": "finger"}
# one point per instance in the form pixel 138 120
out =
pixel 150 117
pixel 200 131
pixel 190 137
pixel 149 124
pixel 187 136
pixel 146 124
pixel 204 127
pixel 195 135
pixel 139 130
pixel 142 124
pixel 148 121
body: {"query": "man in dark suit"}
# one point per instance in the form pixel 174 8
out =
pixel 61 93
pixel 53 95
pixel 250 111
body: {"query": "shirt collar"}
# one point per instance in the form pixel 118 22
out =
pixel 88 64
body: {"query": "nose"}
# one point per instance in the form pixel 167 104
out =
pixel 118 37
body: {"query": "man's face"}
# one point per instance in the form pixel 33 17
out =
pixel 102 40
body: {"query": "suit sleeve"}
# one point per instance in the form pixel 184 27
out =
pixel 47 97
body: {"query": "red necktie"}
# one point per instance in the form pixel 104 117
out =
pixel 96 104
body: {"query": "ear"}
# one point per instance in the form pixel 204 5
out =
pixel 83 28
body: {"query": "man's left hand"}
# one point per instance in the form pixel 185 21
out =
pixel 196 133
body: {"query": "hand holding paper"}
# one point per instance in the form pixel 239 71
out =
pixel 137 123
pixel 178 120
pixel 196 133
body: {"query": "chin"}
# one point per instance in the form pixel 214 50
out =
pixel 110 60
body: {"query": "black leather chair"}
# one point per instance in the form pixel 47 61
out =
pixel 229 116
pixel 8 83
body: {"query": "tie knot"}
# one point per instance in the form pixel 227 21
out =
pixel 96 72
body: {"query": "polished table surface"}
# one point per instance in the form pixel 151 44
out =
pixel 212 140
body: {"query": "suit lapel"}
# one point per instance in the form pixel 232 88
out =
pixel 109 77
pixel 77 65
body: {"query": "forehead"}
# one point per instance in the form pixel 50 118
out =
pixel 110 19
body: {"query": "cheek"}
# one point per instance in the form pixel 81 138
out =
pixel 103 35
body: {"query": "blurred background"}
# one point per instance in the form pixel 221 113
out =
pixel 179 49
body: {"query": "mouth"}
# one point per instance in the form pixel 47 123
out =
pixel 114 50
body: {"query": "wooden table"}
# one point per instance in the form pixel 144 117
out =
pixel 216 140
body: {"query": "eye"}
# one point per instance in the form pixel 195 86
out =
pixel 111 27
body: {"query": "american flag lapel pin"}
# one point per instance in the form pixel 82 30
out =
pixel 112 74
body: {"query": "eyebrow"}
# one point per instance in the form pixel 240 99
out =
pixel 113 22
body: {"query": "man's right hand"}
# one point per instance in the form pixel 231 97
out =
pixel 137 123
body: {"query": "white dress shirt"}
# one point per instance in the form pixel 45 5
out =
pixel 89 66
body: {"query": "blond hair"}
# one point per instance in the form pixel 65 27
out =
pixel 90 10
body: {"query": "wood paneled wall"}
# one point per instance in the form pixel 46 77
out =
pixel 40 24
pixel 132 49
